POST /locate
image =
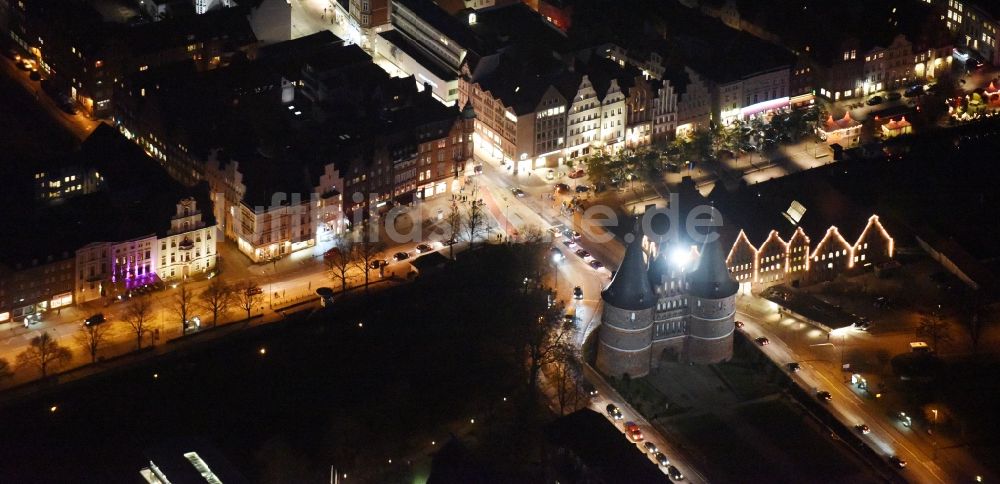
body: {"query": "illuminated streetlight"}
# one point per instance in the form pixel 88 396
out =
pixel 263 350
pixel 53 408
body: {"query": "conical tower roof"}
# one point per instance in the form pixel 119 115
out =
pixel 468 112
pixel 630 288
pixel 711 279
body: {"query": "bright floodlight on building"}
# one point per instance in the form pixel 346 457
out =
pixel 680 257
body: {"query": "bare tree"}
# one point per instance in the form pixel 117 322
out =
pixel 248 295
pixel 567 385
pixel 367 250
pixel 340 260
pixel 936 328
pixel 532 234
pixel 475 217
pixel 44 353
pixel 546 340
pixel 217 298
pixel 5 371
pixel 92 337
pixel 182 305
pixel 454 220
pixel 139 316
pixel 975 314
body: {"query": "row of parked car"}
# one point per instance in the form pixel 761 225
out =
pixel 634 434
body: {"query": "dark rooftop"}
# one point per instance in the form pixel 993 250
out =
pixel 449 25
pixel 516 24
pixel 758 209
pixel 807 27
pixel 607 456
pixel 721 53
pixel 406 45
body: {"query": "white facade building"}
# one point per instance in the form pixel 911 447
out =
pixel 189 247
pixel 583 125
pixel 613 115
pixel 111 269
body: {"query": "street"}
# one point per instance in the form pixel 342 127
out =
pixel 77 124
pixel 821 372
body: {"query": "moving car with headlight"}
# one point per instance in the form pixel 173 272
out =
pixel 613 411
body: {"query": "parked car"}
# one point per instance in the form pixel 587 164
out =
pixel 94 319
pixel 613 411
pixel 596 264
pixel 557 254
pixel 633 432
pixel 582 253
pixel 517 192
pixel 569 243
pixel 794 367
pixel 68 107
pixel 874 100
pixel 897 462
pixel 893 96
pixel 675 473
pixel 582 188
pixel 400 256
pixel 562 187
pixel 762 341
pixel 661 459
pixel 913 91
pixel 739 324
pixel 577 293
pixel 377 263
pixel 824 395
pixel 651 448
pixel 577 174
pixel 424 248
pixel 862 428
pixel 589 389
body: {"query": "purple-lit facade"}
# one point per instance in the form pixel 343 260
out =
pixel 111 269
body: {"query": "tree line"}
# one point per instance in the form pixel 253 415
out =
pixel 741 137
pixel 45 354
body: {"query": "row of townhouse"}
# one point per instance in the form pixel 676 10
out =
pixel 873 46
pixel 592 105
pixel 800 230
pixel 135 227
pixel 795 261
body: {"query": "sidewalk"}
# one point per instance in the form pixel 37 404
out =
pixel 127 356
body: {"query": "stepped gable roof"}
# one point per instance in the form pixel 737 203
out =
pixel 630 289
pixel 711 279
pixel 806 199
